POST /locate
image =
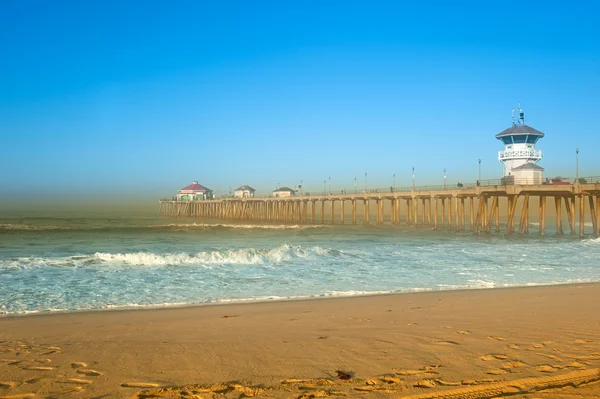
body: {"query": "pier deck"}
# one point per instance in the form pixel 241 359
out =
pixel 435 207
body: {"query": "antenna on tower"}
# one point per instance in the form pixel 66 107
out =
pixel 513 116
pixel 521 115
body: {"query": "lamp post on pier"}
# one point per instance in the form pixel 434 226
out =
pixel 444 178
pixel 329 185
pixel 479 175
pixel 577 165
pixel 324 187
pixel 354 184
pixel 413 178
pixel 394 182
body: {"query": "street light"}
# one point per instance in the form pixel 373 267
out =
pixel 479 178
pixel 577 165
pixel 354 184
pixel 444 178
pixel 329 185
pixel 300 187
pixel 394 182
pixel 413 170
pixel 324 187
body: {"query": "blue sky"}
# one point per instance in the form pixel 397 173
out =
pixel 122 99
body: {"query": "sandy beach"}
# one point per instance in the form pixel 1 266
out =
pixel 543 341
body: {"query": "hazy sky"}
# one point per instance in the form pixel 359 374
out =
pixel 141 97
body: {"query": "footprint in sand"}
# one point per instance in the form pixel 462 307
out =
pixel 583 341
pixel 496 372
pixel 512 365
pixel 487 358
pixel 35 380
pixel 448 383
pixel 389 380
pixel 139 385
pixel 546 368
pixel 447 343
pixel 425 384
pixel 79 365
pixel 514 346
pixel 496 338
pixel 89 372
pixel 577 365
pixel 464 332
pixel 76 381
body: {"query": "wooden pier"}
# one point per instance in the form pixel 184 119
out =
pixel 475 208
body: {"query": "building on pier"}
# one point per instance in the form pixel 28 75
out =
pixel 244 192
pixel 194 192
pixel 520 156
pixel 282 192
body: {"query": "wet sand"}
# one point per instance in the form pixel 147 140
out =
pixel 536 342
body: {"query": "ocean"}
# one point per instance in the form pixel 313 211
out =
pixel 63 263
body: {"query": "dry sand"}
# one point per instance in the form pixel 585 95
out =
pixel 538 342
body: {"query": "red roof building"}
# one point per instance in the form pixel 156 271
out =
pixel 194 192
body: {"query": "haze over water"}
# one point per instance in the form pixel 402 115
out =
pixel 101 261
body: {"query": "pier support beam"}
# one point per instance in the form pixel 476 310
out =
pixel 524 222
pixel 443 211
pixel 435 213
pixel 557 205
pixel 332 212
pixel 472 213
pixel 322 211
pixel 581 216
pixel 542 215
pixel 456 215
pixel 488 227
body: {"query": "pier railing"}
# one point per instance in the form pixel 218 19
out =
pixel 576 197
pixel 506 181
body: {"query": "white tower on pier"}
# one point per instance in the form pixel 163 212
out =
pixel 519 155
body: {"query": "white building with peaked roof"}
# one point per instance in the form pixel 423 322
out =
pixel 244 192
pixel 283 192
pixel 194 192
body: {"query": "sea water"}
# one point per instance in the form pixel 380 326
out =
pixel 98 262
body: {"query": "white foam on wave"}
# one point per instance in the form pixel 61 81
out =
pixel 592 241
pixel 242 226
pixel 246 256
pixel 11 226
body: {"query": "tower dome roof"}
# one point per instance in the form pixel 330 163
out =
pixel 520 129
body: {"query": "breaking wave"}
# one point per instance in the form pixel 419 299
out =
pixel 242 226
pixel 125 227
pixel 246 256
pixel 11 226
